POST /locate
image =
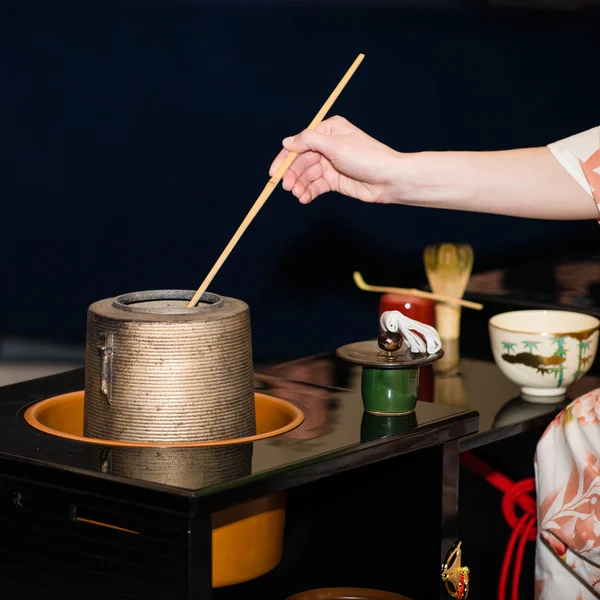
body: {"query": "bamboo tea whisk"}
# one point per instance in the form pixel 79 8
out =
pixel 272 183
pixel 448 268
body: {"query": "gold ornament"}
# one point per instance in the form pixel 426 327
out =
pixel 454 576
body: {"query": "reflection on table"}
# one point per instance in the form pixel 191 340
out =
pixel 470 384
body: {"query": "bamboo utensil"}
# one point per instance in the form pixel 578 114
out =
pixel 448 268
pixel 361 284
pixel 272 183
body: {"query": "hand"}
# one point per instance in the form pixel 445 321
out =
pixel 339 157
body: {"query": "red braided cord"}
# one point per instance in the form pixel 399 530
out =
pixel 510 548
pixel 495 478
pixel 523 527
pixel 527 529
pixel 510 498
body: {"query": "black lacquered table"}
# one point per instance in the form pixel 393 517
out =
pixel 351 495
pixel 366 507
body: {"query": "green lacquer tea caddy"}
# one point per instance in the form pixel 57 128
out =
pixel 390 379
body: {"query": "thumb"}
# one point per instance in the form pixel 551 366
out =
pixel 310 140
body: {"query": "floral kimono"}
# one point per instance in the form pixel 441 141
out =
pixel 568 454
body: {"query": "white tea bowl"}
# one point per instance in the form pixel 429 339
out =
pixel 544 351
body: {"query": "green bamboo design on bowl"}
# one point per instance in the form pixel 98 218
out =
pixel 582 360
pixel 549 364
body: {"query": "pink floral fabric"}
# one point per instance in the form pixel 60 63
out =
pixel 567 462
pixel 580 156
pixel 568 492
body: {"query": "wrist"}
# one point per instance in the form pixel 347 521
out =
pixel 434 179
pixel 414 176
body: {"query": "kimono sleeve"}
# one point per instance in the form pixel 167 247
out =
pixel 580 156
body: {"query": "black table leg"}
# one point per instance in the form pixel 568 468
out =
pixel 450 471
pixel 449 499
pixel 199 558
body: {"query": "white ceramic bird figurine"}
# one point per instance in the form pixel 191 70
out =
pixel 396 322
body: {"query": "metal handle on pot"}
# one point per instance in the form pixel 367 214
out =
pixel 106 460
pixel 106 352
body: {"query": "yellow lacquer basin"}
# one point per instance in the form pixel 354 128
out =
pixel 248 538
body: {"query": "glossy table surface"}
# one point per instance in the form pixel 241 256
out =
pixel 475 402
pixel 336 435
pixel 478 384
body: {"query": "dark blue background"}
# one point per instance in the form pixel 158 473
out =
pixel 135 137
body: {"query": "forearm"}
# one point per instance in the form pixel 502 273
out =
pixel 523 183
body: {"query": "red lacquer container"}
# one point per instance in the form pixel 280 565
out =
pixel 419 309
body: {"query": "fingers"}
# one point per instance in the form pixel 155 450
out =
pixel 303 163
pixel 305 176
pixel 305 142
pixel 277 162
pixel 311 140
pixel 336 126
pixel 310 175
pixel 303 180
pixel 321 140
pixel 316 188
